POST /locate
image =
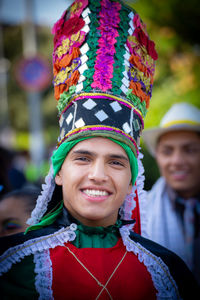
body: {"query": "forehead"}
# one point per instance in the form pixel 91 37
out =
pixel 181 137
pixel 99 145
pixel 11 206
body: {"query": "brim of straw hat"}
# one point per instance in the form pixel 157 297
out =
pixel 151 136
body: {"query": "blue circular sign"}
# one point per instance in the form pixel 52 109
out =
pixel 33 74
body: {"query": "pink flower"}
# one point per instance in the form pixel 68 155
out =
pixel 58 25
pixel 105 54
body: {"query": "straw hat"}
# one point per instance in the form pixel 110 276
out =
pixel 181 116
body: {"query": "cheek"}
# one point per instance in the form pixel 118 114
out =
pixel 195 167
pixel 162 163
pixel 123 182
pixel 195 160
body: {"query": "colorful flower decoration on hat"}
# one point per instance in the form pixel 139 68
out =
pixel 102 58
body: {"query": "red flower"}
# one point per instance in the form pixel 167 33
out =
pixel 72 26
pixel 151 50
pixel 145 41
pixel 141 36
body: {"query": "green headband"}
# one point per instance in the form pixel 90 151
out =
pixel 60 154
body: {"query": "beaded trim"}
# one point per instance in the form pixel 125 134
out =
pixel 43 199
pixel 43 279
pixel 33 246
pixel 142 194
pixel 98 95
pixel 101 128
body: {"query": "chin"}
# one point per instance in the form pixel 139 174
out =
pixel 183 190
pixel 93 217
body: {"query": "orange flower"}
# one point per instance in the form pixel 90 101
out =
pixel 74 78
pixel 56 68
pixel 58 89
pixel 66 60
pixel 137 90
pixel 135 60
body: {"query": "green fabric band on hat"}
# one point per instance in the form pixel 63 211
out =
pixel 60 154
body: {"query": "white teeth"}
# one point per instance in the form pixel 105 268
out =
pixel 95 193
pixel 180 172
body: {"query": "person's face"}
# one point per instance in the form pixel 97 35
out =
pixel 13 216
pixel 95 179
pixel 178 157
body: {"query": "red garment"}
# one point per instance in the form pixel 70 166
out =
pixel 72 282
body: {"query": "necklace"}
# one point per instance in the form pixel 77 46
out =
pixel 104 287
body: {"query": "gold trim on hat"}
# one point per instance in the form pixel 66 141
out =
pixel 177 122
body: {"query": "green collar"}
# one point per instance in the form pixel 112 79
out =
pixel 97 237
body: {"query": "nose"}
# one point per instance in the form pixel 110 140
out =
pixel 177 158
pixel 97 172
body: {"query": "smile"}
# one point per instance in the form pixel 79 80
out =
pixel 95 193
pixel 179 175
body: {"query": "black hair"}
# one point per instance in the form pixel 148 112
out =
pixel 28 194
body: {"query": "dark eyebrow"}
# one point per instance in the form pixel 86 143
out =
pixel 115 156
pixel 83 152
pixel 119 156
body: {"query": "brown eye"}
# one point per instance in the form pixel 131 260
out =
pixel 82 158
pixel 192 150
pixel 117 163
pixel 11 225
pixel 166 151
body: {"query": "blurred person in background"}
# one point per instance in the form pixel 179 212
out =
pixel 15 209
pixel 173 207
pixel 11 177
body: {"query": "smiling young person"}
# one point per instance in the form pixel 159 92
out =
pixel 84 241
pixel 174 200
pixel 100 179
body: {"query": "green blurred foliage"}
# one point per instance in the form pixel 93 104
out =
pixel 174 27
pixel 151 168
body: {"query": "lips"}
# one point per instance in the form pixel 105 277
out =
pixel 179 175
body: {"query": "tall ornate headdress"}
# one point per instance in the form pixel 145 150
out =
pixel 103 63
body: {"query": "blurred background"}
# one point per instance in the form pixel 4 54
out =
pixel 28 114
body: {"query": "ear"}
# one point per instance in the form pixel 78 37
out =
pixel 58 178
pixel 130 188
